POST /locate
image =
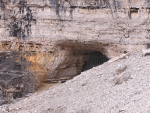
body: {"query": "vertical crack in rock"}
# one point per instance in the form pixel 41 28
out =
pixel 59 6
pixel 19 23
pixel 2 4
pixel 116 5
pixel 56 5
pixel 148 3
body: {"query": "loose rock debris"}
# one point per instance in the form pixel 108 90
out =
pixel 98 90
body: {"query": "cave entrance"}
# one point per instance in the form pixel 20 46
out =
pixel 79 61
pixel 95 59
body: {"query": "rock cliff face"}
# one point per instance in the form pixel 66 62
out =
pixel 52 38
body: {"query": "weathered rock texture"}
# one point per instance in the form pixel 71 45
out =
pixel 99 21
pixel 53 36
pixel 117 87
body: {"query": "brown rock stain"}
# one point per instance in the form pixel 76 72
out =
pixel 40 65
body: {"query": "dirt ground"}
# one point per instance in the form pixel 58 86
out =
pixel 121 86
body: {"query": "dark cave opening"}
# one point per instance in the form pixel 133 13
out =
pixel 148 46
pixel 95 59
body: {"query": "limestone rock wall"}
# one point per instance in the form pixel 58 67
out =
pixel 102 21
pixel 52 36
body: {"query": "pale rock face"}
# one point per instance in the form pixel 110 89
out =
pixel 47 33
pixel 102 21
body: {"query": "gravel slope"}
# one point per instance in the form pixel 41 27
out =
pixel 122 86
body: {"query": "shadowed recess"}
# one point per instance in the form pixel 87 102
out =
pixel 96 58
